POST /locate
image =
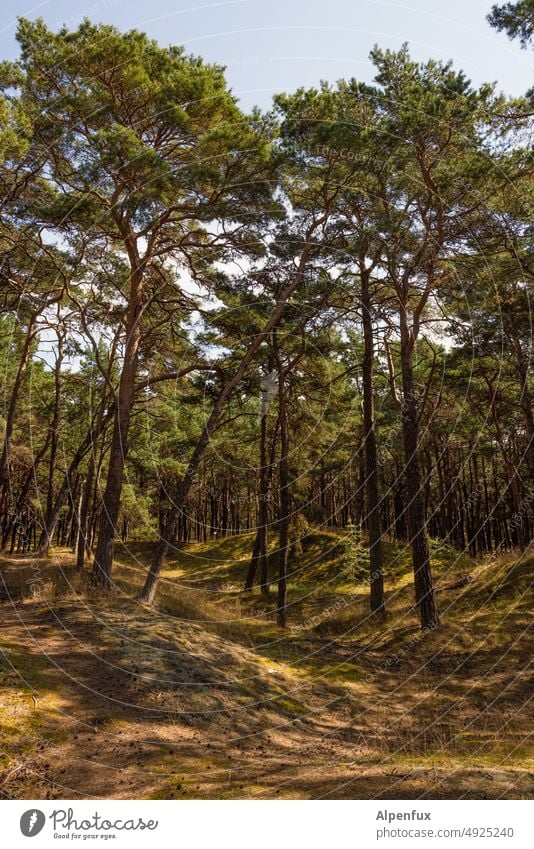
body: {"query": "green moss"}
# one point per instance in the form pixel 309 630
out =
pixel 347 672
pixel 56 736
pixel 292 706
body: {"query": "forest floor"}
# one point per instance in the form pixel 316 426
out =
pixel 203 696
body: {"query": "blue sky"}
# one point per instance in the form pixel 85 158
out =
pixel 278 45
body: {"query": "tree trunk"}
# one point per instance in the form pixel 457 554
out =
pixel 525 400
pixel 54 428
pixel 149 588
pixel 513 474
pixel 259 549
pixel 103 560
pixel 284 518
pixel 424 587
pixel 77 520
pixel 11 411
pixel 263 510
pixel 83 448
pixel 83 549
pixel 371 467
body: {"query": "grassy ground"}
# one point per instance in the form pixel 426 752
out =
pixel 205 697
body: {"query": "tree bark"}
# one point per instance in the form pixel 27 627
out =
pixel 424 586
pixel 525 400
pixel 377 601
pixel 284 519
pixel 83 549
pixel 13 401
pixel 54 427
pixel 263 510
pixel 103 560
pixel 259 549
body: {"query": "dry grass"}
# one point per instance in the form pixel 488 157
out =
pixel 204 697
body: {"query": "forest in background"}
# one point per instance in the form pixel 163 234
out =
pixel 267 436
pixel 214 322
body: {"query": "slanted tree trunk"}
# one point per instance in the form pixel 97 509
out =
pixel 83 549
pixel 171 525
pixel 149 588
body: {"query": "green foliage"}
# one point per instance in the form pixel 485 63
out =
pixel 139 197
pixel 516 19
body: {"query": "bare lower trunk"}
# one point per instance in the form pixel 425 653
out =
pixel 259 551
pixel 283 537
pixel 424 586
pixel 54 428
pixel 82 549
pixel 149 590
pixel 13 401
pixel 103 560
pixel 77 520
pixel 263 511
pixel 526 401
pixel 371 467
pixel 253 565
pixel 171 526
